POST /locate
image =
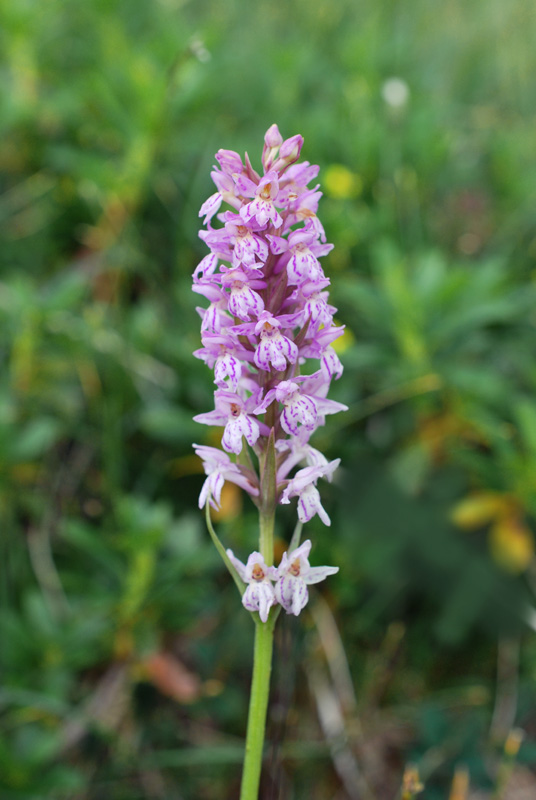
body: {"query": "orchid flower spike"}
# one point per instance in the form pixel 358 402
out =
pixel 268 318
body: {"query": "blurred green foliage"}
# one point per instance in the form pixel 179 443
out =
pixel 125 659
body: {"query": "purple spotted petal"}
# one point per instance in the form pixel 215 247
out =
pixel 309 504
pixel 210 207
pixel 243 301
pixel 283 591
pixel 227 367
pixel 300 596
pixel 259 597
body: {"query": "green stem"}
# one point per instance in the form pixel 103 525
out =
pixel 268 501
pixel 258 704
pixel 266 537
pixel 264 634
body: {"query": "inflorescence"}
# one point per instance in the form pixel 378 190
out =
pixel 268 316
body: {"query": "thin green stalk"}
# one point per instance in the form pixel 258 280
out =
pixel 258 705
pixel 268 501
pixel 266 537
pixel 264 634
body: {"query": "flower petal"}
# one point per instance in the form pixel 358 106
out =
pixel 300 596
pixel 317 574
pixel 237 564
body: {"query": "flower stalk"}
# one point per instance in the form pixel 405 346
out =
pixel 258 706
pixel 266 537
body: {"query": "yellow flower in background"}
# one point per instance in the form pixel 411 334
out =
pixel 512 544
pixel 511 541
pixel 479 508
pixel 460 784
pixel 230 503
pixel 411 783
pixel 342 184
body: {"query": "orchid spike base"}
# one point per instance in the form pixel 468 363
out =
pixel 268 333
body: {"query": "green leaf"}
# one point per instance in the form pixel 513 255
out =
pixel 525 414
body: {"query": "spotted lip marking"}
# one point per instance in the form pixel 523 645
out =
pixel 295 568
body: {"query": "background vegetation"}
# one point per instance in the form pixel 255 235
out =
pixel 125 657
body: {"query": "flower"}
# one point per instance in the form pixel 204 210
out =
pixel 247 245
pixel 224 353
pixel 293 576
pixel 262 209
pixel 231 411
pixel 274 349
pixel 297 407
pixel 219 468
pixel 243 299
pixel 303 486
pixel 259 595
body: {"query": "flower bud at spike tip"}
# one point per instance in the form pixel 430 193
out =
pixel 272 137
pixel 291 148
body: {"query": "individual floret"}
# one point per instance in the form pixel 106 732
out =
pixel 259 595
pixel 293 576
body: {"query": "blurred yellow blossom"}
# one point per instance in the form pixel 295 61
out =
pixel 411 783
pixel 230 503
pixel 460 784
pixel 479 508
pixel 341 183
pixel 511 541
pixel 512 544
